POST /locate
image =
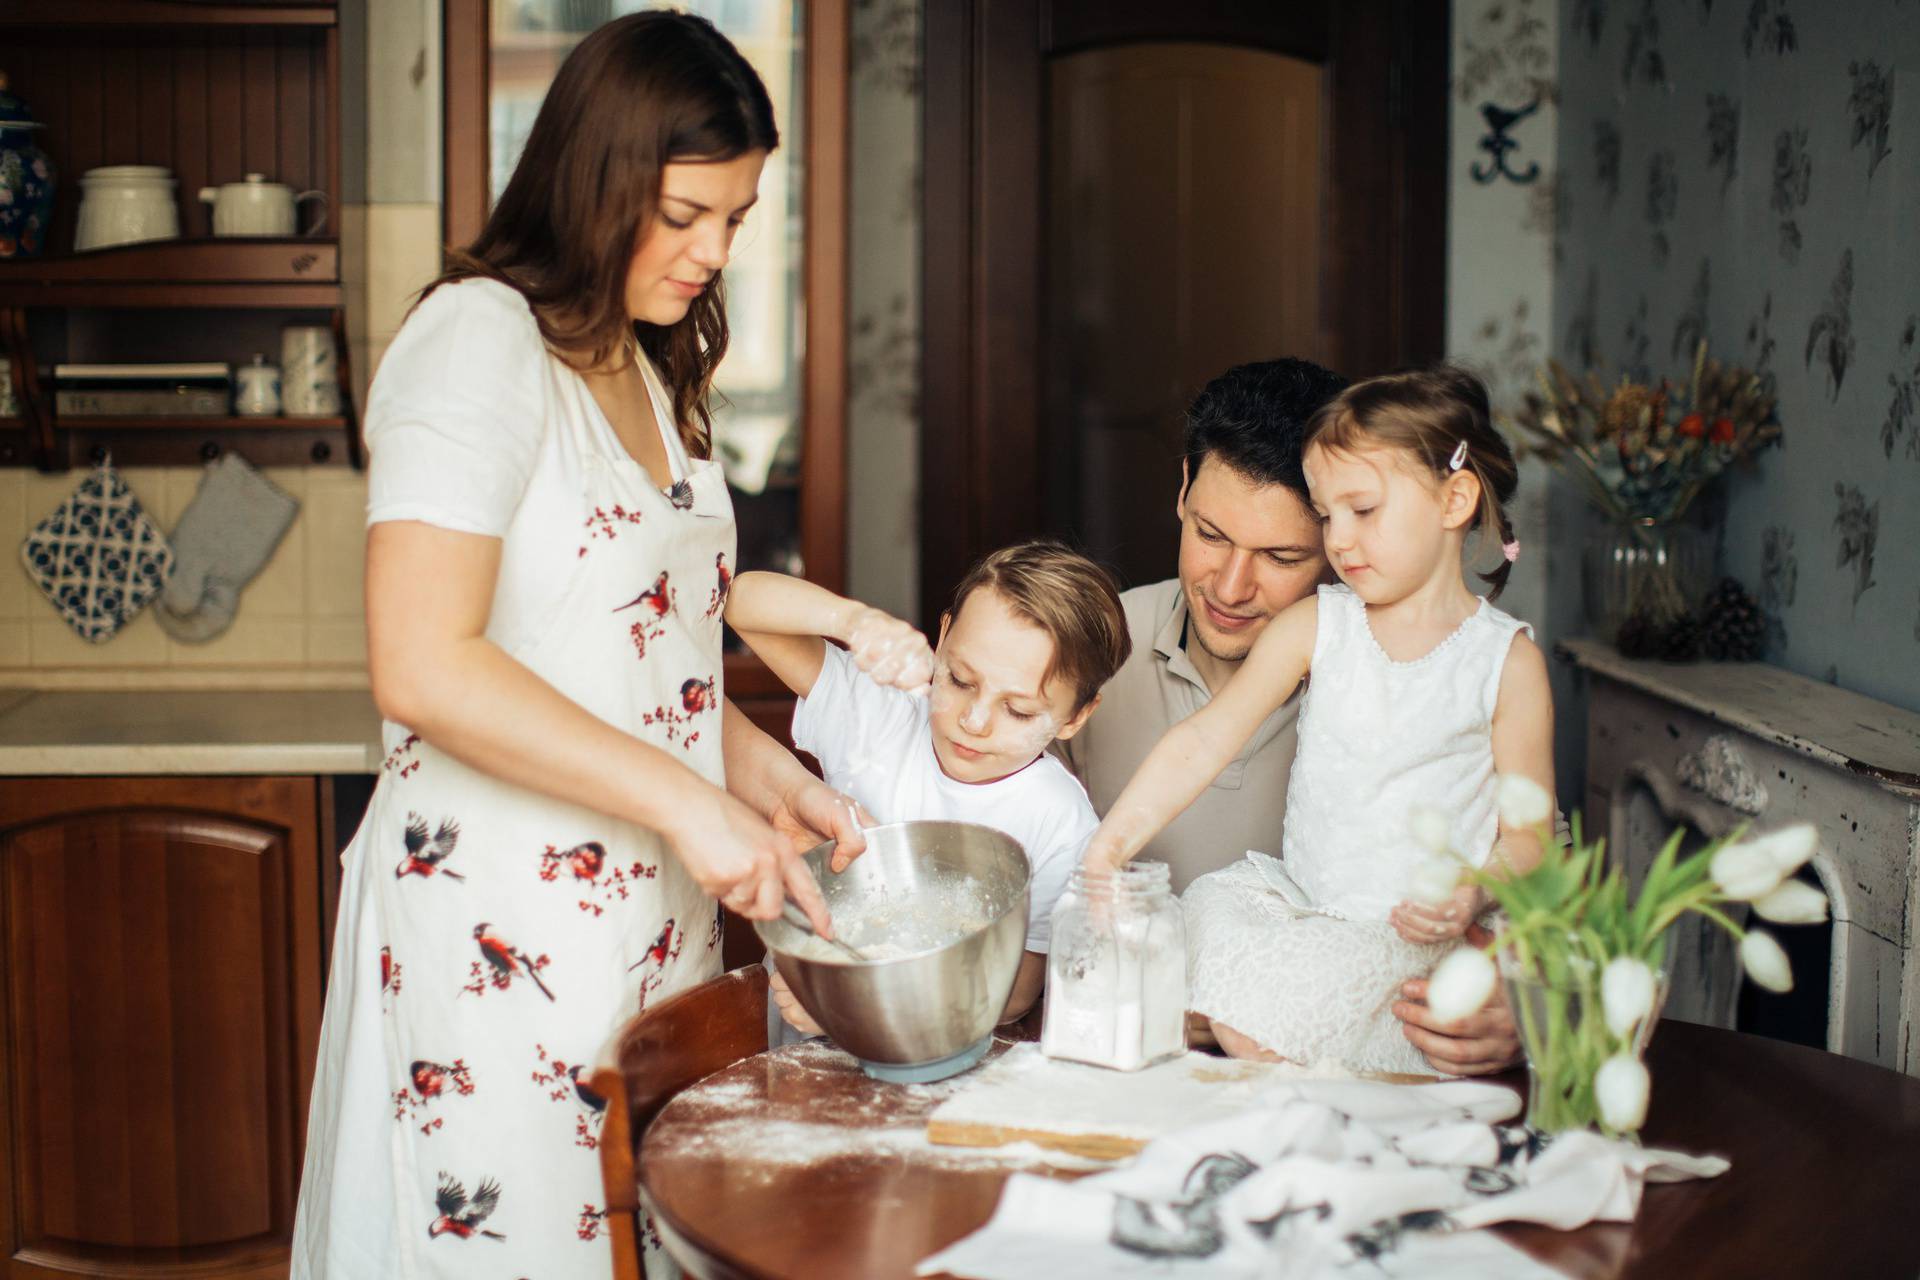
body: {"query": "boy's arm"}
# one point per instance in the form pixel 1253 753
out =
pixel 787 620
pixel 782 620
pixel 1193 752
pixel 1028 981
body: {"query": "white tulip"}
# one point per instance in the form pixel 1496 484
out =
pixel 1766 963
pixel 1626 994
pixel 1621 1086
pixel 1789 847
pixel 1434 880
pixel 1431 830
pixel 1523 802
pixel 1794 902
pixel 1460 984
pixel 1744 871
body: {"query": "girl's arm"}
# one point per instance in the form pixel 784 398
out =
pixel 1193 752
pixel 787 621
pixel 429 592
pixel 1523 741
pixel 1522 744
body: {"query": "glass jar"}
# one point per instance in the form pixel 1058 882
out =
pixel 1117 971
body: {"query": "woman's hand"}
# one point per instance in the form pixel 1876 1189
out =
pixel 1419 923
pixel 797 1018
pixel 738 857
pixel 888 650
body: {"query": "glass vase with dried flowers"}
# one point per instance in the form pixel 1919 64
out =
pixel 1641 453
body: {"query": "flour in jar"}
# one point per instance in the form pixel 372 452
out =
pixel 890 923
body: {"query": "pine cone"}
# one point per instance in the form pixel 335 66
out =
pixel 1640 637
pixel 1735 630
pixel 1681 640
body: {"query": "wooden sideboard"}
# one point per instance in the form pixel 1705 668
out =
pixel 1714 745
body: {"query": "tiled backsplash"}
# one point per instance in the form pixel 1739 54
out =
pixel 303 611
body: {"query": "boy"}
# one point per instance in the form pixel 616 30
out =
pixel 959 734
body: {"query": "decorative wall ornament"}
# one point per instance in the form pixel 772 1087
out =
pixel 1690 330
pixel 1498 145
pixel 1663 197
pixel 1717 770
pixel 1769 28
pixel 1871 106
pixel 1831 333
pixel 1644 60
pixel 1859 528
pixel 1606 158
pixel 1792 183
pixel 1906 394
pixel 1723 137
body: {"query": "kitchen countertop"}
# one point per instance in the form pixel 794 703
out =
pixel 188 732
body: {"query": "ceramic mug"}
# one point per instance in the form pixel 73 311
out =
pixel 256 207
pixel 125 204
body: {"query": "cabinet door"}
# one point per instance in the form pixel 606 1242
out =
pixel 162 1010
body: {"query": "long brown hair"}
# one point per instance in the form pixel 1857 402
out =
pixel 1430 413
pixel 638 93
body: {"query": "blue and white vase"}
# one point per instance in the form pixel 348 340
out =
pixel 26 181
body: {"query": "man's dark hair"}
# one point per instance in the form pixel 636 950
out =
pixel 1254 418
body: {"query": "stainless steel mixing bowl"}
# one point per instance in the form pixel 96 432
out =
pixel 929 1014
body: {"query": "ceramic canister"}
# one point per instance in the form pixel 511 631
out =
pixel 309 372
pixel 256 389
pixel 125 204
pixel 26 181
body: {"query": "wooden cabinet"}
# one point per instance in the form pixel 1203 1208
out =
pixel 162 996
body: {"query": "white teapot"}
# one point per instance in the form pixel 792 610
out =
pixel 256 207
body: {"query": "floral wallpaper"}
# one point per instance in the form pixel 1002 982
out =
pixel 1748 172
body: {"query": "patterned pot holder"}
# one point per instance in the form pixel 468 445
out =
pixel 97 558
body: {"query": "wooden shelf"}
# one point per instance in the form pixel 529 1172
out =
pixel 165 13
pixel 181 422
pixel 231 271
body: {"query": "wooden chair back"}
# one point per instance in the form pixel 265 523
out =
pixel 660 1051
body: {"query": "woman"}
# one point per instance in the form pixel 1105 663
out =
pixel 549 551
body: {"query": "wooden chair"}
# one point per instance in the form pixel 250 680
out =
pixel 677 1043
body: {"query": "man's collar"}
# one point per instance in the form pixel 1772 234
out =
pixel 1170 642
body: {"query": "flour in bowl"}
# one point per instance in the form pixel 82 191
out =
pixel 893 924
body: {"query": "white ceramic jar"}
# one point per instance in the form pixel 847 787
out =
pixel 256 391
pixel 125 204
pixel 256 207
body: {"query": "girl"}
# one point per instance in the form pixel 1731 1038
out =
pixel 1422 692
pixel 567 790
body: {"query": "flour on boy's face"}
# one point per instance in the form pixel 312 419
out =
pixel 991 716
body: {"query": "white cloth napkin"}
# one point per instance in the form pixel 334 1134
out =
pixel 1331 1178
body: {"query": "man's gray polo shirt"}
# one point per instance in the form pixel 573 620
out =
pixel 1156 689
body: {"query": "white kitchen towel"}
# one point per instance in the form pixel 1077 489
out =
pixel 226 536
pixel 97 558
pixel 1334 1178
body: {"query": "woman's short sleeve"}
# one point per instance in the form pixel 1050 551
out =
pixel 458 411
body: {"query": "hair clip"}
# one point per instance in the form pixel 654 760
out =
pixel 1459 458
pixel 1511 550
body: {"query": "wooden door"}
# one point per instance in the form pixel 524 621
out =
pixel 1089 161
pixel 161 1019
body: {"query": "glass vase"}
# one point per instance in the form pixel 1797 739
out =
pixel 1563 1030
pixel 1659 569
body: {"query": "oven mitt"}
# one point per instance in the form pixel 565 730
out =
pixel 226 536
pixel 97 558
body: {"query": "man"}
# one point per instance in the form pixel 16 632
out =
pixel 1250 546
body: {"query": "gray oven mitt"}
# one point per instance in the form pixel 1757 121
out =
pixel 226 535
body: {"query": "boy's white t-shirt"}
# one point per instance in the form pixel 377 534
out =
pixel 876 744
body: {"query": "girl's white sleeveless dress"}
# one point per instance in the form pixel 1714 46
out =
pixel 1298 953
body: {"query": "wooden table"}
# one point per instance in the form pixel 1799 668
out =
pixel 792 1164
